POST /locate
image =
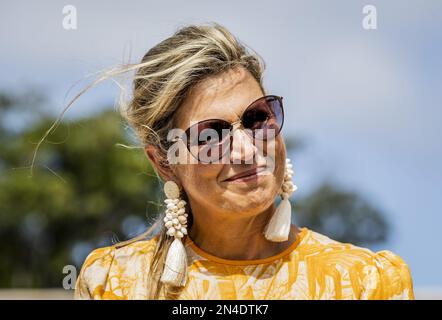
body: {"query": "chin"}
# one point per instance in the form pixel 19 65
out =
pixel 253 203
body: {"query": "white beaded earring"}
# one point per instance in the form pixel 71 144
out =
pixel 175 269
pixel 278 228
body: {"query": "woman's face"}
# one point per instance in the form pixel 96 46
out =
pixel 225 97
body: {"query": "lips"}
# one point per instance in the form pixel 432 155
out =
pixel 246 174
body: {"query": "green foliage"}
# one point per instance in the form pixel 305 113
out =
pixel 82 189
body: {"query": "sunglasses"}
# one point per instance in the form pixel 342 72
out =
pixel 209 140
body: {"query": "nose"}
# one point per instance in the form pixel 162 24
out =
pixel 243 149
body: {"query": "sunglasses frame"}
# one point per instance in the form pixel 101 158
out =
pixel 232 124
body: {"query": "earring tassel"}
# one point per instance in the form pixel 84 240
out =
pixel 278 228
pixel 175 269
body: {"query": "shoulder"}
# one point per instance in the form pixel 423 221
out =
pixel 395 276
pixel 373 275
pixel 115 259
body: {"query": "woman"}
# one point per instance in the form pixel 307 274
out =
pixel 223 236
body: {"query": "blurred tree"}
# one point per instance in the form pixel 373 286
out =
pixel 85 192
pixel 342 215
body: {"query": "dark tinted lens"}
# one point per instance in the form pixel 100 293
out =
pixel 264 115
pixel 205 139
pixel 207 132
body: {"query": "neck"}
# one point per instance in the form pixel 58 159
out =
pixel 236 238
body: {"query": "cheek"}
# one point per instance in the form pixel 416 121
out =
pixel 199 178
pixel 274 153
pixel 280 159
pixel 275 159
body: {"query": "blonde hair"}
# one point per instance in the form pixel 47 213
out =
pixel 163 79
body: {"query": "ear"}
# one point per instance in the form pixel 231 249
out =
pixel 160 164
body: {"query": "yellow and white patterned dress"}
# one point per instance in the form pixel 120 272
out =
pixel 313 267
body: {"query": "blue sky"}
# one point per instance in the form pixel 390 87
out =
pixel 367 103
